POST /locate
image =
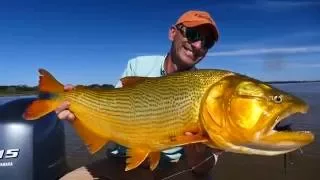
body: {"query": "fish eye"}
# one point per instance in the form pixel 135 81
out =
pixel 277 98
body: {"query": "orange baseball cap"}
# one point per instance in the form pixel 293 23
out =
pixel 195 18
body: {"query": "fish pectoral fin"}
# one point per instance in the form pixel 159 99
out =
pixel 135 158
pixel 93 141
pixel 187 139
pixel 154 158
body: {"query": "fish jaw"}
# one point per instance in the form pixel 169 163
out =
pixel 240 114
pixel 278 142
pixel 268 143
pixel 281 142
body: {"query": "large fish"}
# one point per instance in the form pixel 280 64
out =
pixel 225 110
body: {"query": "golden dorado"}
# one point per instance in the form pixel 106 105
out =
pixel 225 110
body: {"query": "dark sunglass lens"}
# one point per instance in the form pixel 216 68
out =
pixel 208 43
pixel 192 34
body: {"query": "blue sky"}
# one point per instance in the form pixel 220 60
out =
pixel 86 42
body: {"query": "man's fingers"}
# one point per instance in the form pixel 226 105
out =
pixel 64 114
pixel 68 87
pixel 71 117
pixel 63 106
pixel 62 111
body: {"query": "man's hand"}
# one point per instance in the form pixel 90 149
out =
pixel 62 111
pixel 197 157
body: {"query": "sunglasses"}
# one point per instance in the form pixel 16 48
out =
pixel 194 35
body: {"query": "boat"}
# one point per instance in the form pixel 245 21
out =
pixel 30 150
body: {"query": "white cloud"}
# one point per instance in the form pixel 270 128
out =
pixel 288 38
pixel 284 50
pixel 291 3
pixel 303 65
pixel 265 4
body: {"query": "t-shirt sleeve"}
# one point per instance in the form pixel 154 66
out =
pixel 128 71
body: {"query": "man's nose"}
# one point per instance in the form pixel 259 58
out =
pixel 197 45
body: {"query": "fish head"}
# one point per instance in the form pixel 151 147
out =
pixel 240 114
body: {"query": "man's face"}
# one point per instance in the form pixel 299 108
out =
pixel 189 45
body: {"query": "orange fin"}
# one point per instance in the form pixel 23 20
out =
pixel 93 141
pixel 39 108
pixel 154 158
pixel 187 139
pixel 131 81
pixel 136 157
pixel 47 83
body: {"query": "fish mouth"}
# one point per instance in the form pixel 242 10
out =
pixel 282 139
pixel 278 126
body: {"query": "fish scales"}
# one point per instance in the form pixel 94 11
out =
pixel 158 109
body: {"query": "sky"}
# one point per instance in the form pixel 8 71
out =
pixel 90 42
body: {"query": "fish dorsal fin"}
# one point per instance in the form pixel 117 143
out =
pixel 131 81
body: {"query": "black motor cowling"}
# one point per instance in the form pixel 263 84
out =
pixel 30 150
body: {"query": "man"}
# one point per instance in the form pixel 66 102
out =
pixel 194 33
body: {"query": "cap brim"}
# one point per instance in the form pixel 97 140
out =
pixel 200 23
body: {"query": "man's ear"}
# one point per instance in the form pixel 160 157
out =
pixel 172 33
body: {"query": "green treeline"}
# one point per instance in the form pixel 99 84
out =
pixel 30 90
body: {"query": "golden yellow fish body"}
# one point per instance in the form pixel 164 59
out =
pixel 223 109
pixel 149 114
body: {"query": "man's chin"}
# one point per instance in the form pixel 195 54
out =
pixel 187 61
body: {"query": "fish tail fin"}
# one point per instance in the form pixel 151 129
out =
pixel 41 107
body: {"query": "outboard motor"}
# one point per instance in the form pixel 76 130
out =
pixel 30 150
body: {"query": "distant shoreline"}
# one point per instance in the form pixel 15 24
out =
pixel 23 90
pixel 290 82
pixel 19 94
